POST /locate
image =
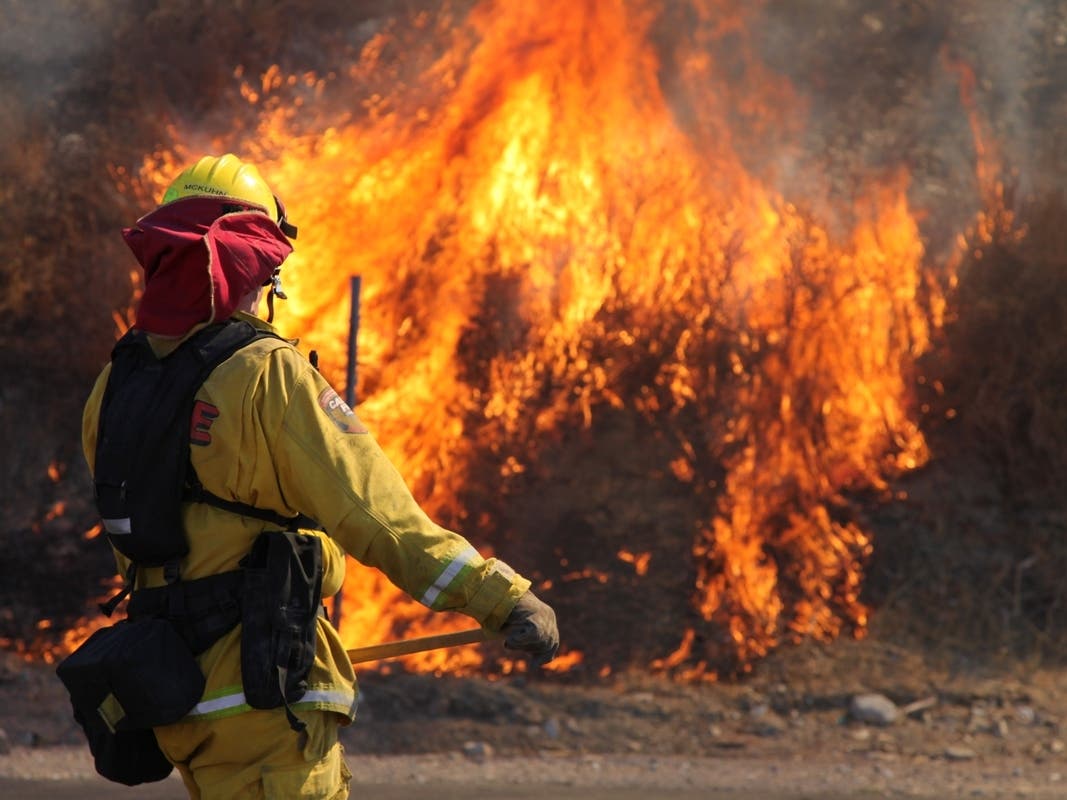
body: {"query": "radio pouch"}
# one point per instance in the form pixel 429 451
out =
pixel 282 595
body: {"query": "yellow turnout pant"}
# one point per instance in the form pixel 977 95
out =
pixel 257 756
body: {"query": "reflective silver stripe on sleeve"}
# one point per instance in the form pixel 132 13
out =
pixel 117 526
pixel 449 574
pixel 218 704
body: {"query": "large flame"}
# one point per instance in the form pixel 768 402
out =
pixel 547 226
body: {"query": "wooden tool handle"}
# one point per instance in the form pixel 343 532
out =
pixel 376 652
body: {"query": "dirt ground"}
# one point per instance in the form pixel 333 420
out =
pixel 609 778
pixel 790 731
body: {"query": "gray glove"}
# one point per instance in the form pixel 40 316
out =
pixel 531 627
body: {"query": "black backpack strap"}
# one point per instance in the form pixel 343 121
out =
pixel 295 722
pixel 196 493
pixel 109 607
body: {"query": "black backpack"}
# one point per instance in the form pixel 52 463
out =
pixel 142 470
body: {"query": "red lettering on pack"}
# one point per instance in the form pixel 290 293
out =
pixel 203 415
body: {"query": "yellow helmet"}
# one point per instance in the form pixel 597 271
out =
pixel 228 176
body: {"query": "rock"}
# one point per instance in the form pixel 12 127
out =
pixel 873 24
pixel 551 728
pixel 479 752
pixel 529 713
pixel 764 722
pixel 873 709
pixel 1025 715
pixel 958 752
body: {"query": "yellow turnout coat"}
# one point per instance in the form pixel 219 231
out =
pixel 269 431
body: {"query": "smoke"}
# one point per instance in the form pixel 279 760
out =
pixel 53 195
pixel 881 87
pixel 1012 44
pixel 45 54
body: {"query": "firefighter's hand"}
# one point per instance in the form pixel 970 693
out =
pixel 531 627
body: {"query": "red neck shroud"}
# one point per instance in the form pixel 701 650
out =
pixel 200 256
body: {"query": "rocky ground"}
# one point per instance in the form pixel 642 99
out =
pixel 853 719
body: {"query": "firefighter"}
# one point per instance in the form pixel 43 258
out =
pixel 267 433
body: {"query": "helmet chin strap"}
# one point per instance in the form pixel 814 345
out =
pixel 289 229
pixel 275 289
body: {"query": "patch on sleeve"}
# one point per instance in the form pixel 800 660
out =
pixel 339 413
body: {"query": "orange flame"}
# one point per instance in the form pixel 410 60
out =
pixel 50 647
pixel 535 218
pixel 639 560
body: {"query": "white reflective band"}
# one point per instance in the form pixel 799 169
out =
pixel 117 526
pixel 446 577
pixel 218 704
pixel 340 699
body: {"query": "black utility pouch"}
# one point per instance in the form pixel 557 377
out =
pixel 281 599
pixel 123 681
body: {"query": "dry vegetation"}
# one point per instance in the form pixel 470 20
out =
pixel 973 561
